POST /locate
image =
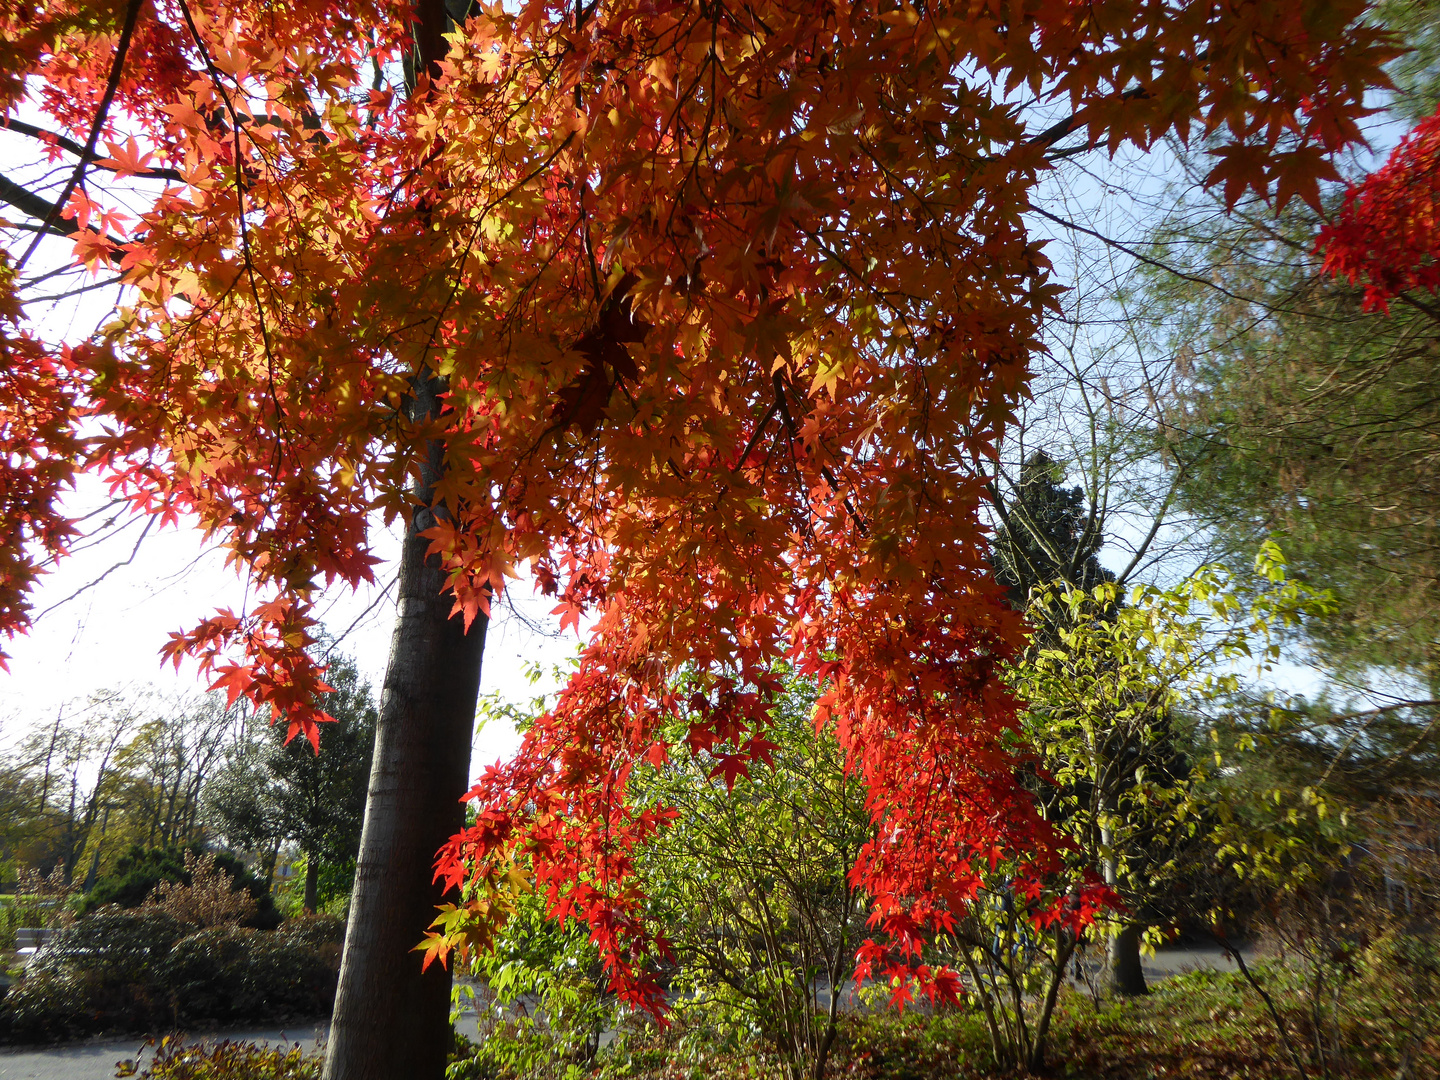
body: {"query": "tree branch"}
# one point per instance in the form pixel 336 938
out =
pixel 38 207
pixel 20 127
pixel 30 204
pixel 1057 131
pixel 1118 246
pixel 132 15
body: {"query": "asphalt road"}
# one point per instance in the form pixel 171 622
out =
pixel 97 1060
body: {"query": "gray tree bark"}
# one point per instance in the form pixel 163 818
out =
pixel 1123 973
pixel 390 1020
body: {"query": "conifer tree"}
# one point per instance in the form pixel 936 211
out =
pixel 1047 534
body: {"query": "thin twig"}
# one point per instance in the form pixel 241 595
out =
pixel 132 14
pixel 91 584
pixel 1234 953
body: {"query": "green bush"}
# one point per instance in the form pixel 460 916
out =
pixel 96 975
pixel 208 972
pixel 552 997
pixel 118 970
pixel 231 974
pixel 315 931
pixel 140 869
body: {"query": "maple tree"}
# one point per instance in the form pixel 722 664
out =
pixel 709 316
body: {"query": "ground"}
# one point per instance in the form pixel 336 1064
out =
pixel 97 1059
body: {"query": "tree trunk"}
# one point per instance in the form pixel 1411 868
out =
pixel 312 884
pixel 270 861
pixel 391 1020
pixel 1123 973
pixel 1064 949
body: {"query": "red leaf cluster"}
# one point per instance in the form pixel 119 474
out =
pixel 1387 233
pixel 40 454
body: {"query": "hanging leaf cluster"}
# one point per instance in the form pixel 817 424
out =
pixel 1387 232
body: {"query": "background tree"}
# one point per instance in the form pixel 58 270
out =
pixel 63 772
pixel 162 770
pixel 1305 411
pixel 239 807
pixel 1306 348
pixel 1047 533
pixel 114 771
pixel 1309 418
pixel 1049 539
pixel 270 791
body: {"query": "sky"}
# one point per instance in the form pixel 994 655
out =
pixel 104 613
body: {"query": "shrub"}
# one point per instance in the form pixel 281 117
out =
pixel 231 973
pixel 210 898
pixel 140 870
pixel 94 975
pixel 207 972
pixel 176 1060
pixel 134 878
pixel 118 970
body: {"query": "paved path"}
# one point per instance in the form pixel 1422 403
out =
pixel 97 1060
pixel 1196 958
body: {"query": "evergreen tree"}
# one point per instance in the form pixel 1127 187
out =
pixel 1047 534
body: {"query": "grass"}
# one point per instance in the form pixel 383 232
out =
pixel 1202 1026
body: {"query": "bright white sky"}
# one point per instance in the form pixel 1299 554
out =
pixel 109 634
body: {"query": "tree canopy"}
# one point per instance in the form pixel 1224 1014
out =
pixel 708 317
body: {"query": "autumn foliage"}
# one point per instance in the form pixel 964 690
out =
pixel 38 451
pixel 1387 233
pixel 728 307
